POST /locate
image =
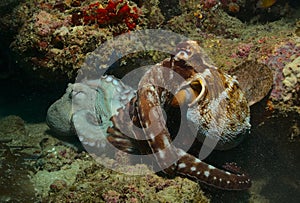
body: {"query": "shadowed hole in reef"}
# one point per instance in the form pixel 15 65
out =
pixel 271 157
pixel 27 99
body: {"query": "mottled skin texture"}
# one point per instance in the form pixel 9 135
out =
pixel 86 107
pixel 210 101
pixel 217 109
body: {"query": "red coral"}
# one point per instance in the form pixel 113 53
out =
pixel 115 12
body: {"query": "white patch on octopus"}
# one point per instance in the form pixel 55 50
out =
pixel 115 82
pixel 182 165
pixel 150 97
pixel 108 79
pixel 162 154
pixel 206 73
pixel 124 97
pixel 92 144
pixel 165 141
pixel 206 173
pixel 126 91
pixel 152 136
pixel 119 89
pixel 211 167
pixel 181 55
pixel 154 113
pixel 181 152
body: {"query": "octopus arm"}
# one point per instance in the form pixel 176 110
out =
pixel 174 160
pixel 193 168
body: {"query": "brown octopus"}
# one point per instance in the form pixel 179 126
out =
pixel 212 101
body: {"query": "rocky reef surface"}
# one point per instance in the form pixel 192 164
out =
pixel 52 38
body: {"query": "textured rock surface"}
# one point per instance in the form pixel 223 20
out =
pixel 291 73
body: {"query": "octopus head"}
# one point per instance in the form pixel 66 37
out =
pixel 216 105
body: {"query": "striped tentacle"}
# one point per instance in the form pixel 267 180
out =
pixel 198 170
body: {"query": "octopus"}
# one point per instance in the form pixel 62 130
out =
pixel 186 87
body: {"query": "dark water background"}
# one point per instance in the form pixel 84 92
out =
pixel 270 156
pixel 27 99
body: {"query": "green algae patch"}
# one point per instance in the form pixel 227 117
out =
pixel 43 180
pixel 98 184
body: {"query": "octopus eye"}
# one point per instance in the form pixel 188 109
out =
pixel 199 88
pixel 190 94
pixel 196 86
pixel 92 120
pixel 78 95
pixel 183 54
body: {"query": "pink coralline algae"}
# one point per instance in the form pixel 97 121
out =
pixel 277 60
pixel 47 23
pixel 243 51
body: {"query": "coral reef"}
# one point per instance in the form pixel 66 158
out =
pixel 243 50
pixel 154 17
pixel 282 54
pixel 114 13
pixel 95 183
pixel 291 72
pixel 15 164
pixel 55 36
pixel 205 16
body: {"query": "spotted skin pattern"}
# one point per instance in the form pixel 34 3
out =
pixel 214 104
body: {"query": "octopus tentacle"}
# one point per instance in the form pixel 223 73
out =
pixel 213 94
pixel 166 153
pixel 196 169
pixel 153 123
